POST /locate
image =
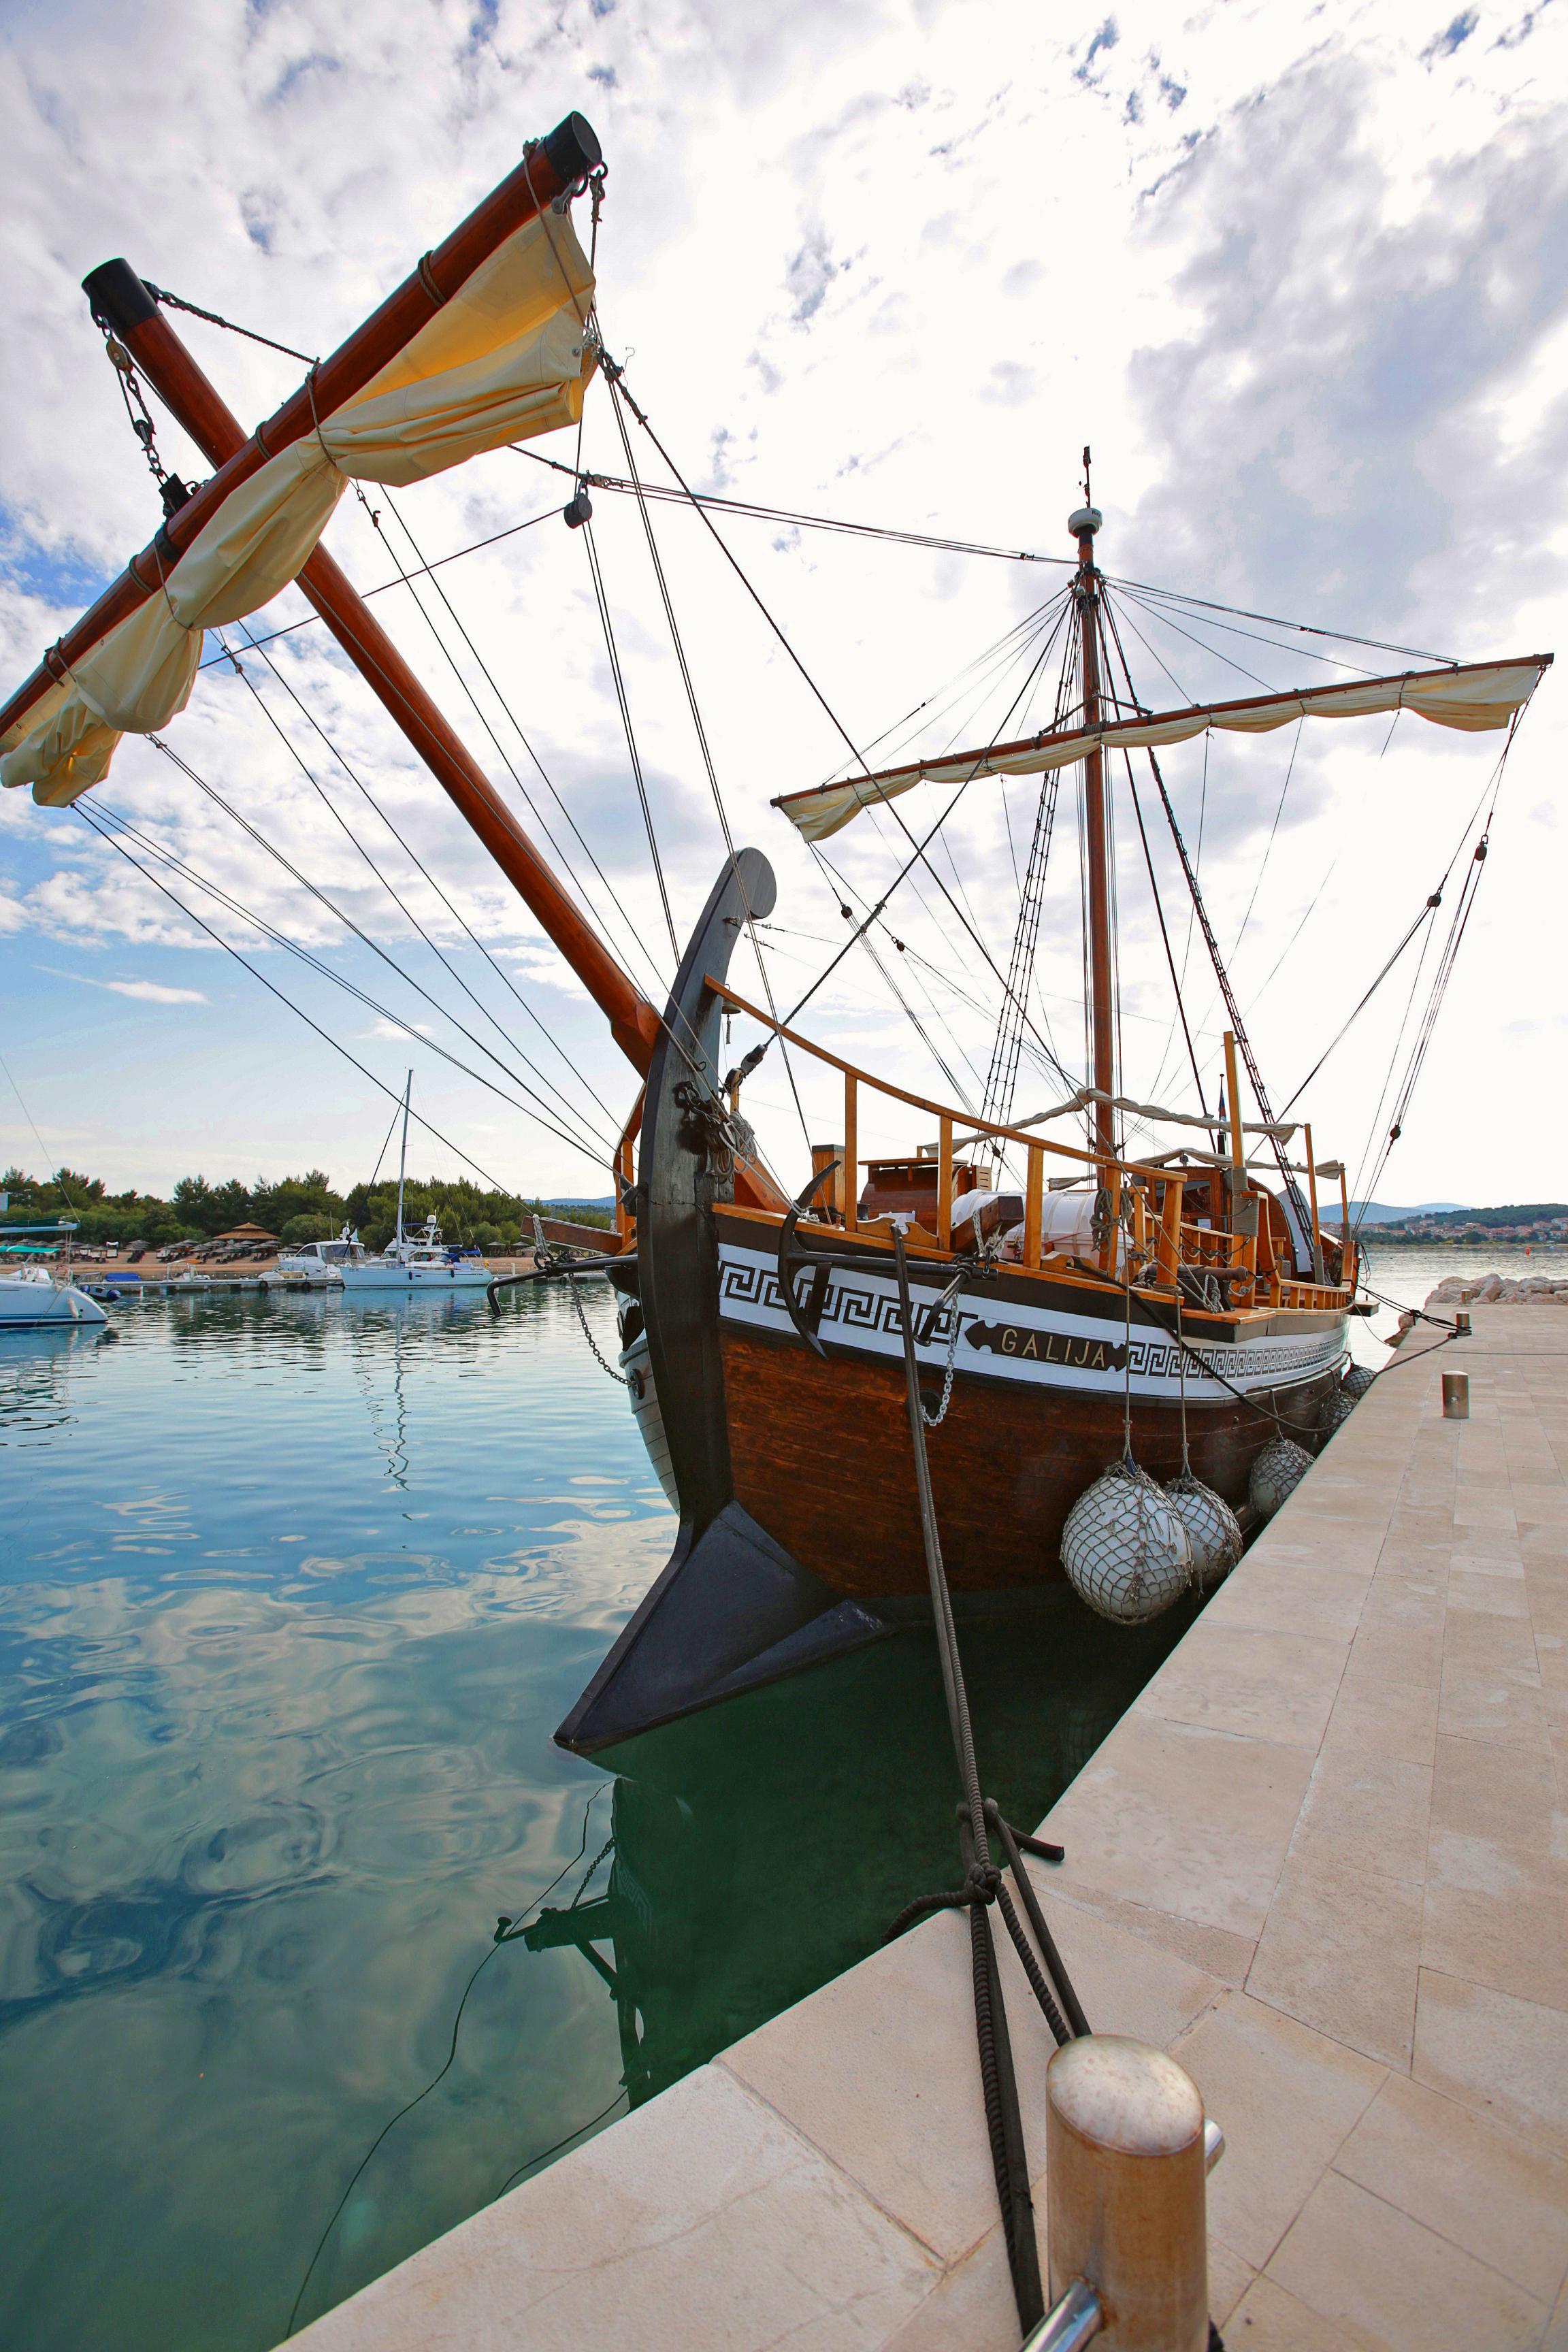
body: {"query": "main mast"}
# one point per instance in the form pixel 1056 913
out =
pixel 1083 524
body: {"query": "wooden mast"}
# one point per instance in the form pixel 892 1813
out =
pixel 1083 524
pixel 550 168
pixel 122 303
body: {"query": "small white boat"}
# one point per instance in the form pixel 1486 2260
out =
pixel 317 1265
pixel 419 1260
pixel 30 1296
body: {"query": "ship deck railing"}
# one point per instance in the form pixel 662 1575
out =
pixel 1161 1242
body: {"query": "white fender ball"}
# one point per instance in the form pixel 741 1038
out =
pixel 1125 1548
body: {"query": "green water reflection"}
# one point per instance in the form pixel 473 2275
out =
pixel 291 1598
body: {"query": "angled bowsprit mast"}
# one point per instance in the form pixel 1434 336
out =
pixel 121 300
pixel 129 662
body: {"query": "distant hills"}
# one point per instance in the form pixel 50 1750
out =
pixel 1516 1221
pixel 1375 1212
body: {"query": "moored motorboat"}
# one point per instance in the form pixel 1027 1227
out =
pixel 317 1265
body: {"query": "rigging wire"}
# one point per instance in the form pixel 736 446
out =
pixel 1216 653
pixel 1268 846
pixel 503 755
pixel 1433 901
pixel 700 501
pixel 90 819
pixel 566 1110
pixel 593 1147
pixel 1458 924
pixel 1301 629
pixel 420 572
pixel 423 870
pixel 618 392
pixel 1165 936
pixel 325 971
pixel 619 680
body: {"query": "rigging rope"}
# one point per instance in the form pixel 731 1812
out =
pixel 194 311
pixel 564 1109
pixel 614 377
pixel 593 1148
pixel 420 868
pixel 89 818
pixel 452 664
pixel 325 972
pixel 618 681
pixel 403 580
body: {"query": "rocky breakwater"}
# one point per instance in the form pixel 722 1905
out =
pixel 1498 1290
pixel 1485 1290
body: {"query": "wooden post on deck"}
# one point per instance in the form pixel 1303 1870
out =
pixel 851 1156
pixel 1246 1253
pixel 1171 1232
pixel 944 1182
pixel 1033 1205
pixel 1312 1203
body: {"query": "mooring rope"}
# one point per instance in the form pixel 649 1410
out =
pixel 984 1883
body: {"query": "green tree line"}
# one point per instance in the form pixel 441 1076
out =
pixel 296 1208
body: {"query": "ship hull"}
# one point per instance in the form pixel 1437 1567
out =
pixel 1047 1375
pixel 790 1465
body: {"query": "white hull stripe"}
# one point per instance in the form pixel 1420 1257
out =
pixel 1034 1346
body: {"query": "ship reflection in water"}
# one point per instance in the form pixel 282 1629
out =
pixel 763 1846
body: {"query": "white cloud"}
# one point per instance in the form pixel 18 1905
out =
pixel 152 992
pixel 145 991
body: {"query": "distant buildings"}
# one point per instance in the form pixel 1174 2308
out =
pixel 1532 1220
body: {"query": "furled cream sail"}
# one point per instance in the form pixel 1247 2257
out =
pixel 507 358
pixel 1474 696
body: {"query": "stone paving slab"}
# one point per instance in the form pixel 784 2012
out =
pixel 1323 1859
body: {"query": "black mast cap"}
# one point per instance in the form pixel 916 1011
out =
pixel 572 150
pixel 118 297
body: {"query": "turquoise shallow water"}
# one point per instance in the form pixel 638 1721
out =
pixel 292 1596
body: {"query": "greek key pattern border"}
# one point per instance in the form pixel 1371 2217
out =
pixel 863 1314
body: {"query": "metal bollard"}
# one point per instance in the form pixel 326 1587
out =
pixel 1461 1323
pixel 1456 1396
pixel 1126 2156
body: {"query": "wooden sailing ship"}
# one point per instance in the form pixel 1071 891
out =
pixel 1073 1300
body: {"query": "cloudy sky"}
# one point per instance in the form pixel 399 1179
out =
pixel 1299 275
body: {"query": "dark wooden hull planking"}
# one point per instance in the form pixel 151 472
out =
pixel 821 1458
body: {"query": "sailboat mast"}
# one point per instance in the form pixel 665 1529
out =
pixel 1083 524
pixel 403 1156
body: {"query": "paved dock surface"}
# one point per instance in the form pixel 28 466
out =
pixel 1323 1859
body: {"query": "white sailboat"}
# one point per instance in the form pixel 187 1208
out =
pixel 418 1261
pixel 36 1294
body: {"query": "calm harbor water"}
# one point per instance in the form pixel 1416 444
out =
pixel 292 1596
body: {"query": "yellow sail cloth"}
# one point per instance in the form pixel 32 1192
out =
pixel 1474 698
pixel 506 359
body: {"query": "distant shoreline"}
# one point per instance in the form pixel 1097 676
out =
pixel 1372 1236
